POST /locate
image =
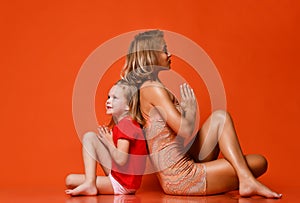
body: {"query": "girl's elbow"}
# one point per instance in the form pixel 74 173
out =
pixel 122 161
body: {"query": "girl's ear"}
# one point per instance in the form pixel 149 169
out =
pixel 127 108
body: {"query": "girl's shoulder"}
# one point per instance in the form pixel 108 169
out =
pixel 127 122
pixel 126 119
pixel 129 127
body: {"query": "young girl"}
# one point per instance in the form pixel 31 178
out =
pixel 122 149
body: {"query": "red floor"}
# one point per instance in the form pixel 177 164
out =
pixel 145 194
pixel 57 196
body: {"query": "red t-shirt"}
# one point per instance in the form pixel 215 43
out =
pixel 130 175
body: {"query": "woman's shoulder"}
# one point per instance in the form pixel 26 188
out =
pixel 155 90
pixel 152 83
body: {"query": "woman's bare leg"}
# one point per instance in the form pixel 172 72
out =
pixel 218 133
pixel 92 149
pixel 221 169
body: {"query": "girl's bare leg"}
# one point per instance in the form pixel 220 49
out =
pixel 103 183
pixel 218 133
pixel 92 149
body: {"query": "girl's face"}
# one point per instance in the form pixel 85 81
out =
pixel 164 57
pixel 116 104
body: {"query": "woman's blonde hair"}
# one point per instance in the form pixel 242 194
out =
pixel 131 94
pixel 142 57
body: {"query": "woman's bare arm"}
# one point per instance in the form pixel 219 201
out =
pixel 157 96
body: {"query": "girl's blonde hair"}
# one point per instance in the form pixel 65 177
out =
pixel 142 57
pixel 131 94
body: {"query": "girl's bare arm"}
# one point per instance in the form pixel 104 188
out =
pixel 120 153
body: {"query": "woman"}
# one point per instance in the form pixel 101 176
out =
pixel 168 124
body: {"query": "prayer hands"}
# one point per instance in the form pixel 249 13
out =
pixel 188 99
pixel 105 135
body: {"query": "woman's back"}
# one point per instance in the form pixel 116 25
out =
pixel 177 173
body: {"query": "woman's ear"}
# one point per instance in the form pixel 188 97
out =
pixel 127 108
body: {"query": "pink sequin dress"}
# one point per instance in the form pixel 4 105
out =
pixel 177 172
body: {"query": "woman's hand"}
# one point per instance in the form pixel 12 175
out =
pixel 188 99
pixel 189 107
pixel 154 94
pixel 105 136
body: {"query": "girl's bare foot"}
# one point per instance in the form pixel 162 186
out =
pixel 83 189
pixel 253 187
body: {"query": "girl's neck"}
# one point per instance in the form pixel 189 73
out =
pixel 117 119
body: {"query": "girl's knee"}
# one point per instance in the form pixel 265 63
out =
pixel 89 136
pixel 69 180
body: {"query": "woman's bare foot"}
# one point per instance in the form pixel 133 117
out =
pixel 83 189
pixel 253 187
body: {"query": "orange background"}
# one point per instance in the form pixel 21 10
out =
pixel 254 44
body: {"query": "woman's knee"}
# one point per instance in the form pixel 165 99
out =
pixel 221 116
pixel 257 163
pixel 262 163
pixel 221 120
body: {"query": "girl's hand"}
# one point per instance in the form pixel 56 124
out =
pixel 188 99
pixel 105 135
pixel 118 153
